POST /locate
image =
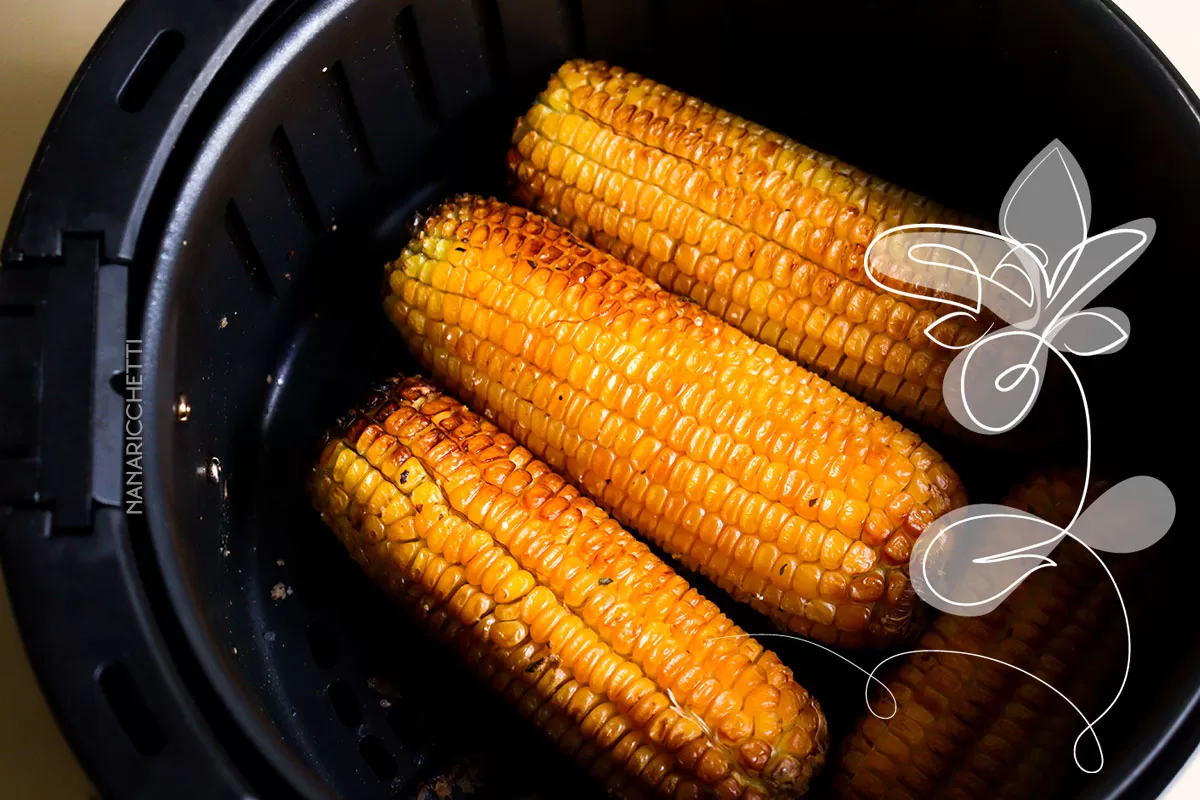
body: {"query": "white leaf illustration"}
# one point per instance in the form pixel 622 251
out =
pixel 969 560
pixel 992 386
pixel 1048 205
pixel 1094 263
pixel 1130 516
pixel 964 268
pixel 1091 332
pixel 1014 276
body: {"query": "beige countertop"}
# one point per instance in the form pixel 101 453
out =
pixel 41 44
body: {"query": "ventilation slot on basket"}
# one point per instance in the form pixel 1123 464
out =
pixel 381 762
pixel 488 12
pixel 572 13
pixel 408 40
pixel 130 709
pixel 138 87
pixel 351 119
pixel 302 200
pixel 322 645
pixel 239 235
pixel 345 705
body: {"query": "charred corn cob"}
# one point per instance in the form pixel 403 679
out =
pixel 788 493
pixel 967 727
pixel 575 621
pixel 760 230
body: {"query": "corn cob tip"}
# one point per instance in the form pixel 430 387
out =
pixel 651 688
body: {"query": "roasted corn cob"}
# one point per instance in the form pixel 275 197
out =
pixel 788 493
pixel 967 727
pixel 760 230
pixel 594 638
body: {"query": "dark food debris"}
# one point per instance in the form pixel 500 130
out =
pixel 384 688
pixel 461 777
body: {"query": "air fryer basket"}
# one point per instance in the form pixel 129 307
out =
pixel 223 183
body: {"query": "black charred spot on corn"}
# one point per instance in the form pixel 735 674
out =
pixel 812 502
pixel 356 428
pixel 544 663
pixel 404 476
pixel 605 581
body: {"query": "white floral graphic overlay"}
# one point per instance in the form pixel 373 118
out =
pixel 1037 275
pixel 1031 283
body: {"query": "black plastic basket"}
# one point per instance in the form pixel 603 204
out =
pixel 199 243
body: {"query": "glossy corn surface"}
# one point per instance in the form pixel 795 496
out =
pixel 758 229
pixel 788 493
pixel 593 637
pixel 969 727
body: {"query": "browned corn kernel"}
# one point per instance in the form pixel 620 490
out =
pixel 592 636
pixel 791 495
pixel 760 230
pixel 1048 764
pixel 967 727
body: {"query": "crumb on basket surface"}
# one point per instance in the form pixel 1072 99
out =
pixel 461 776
